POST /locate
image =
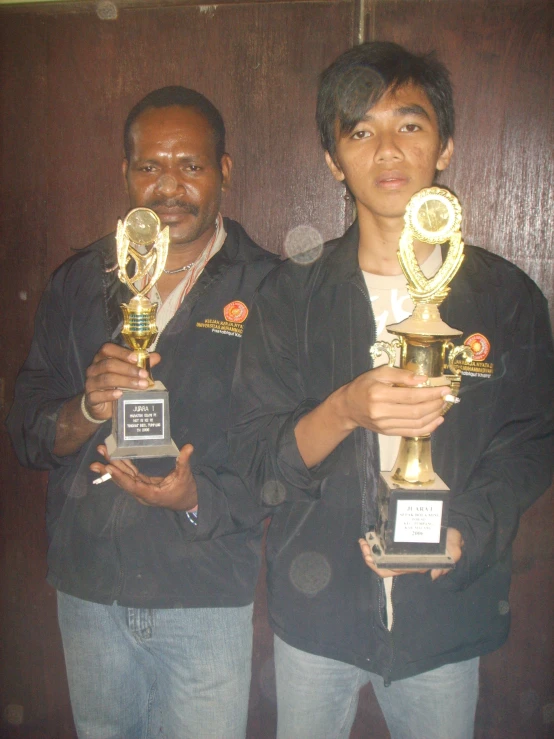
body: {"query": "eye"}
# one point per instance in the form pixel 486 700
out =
pixel 361 134
pixel 410 127
pixel 146 168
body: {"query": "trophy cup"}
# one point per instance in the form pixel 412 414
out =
pixel 413 501
pixel 140 419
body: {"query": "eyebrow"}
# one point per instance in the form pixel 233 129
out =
pixel 404 110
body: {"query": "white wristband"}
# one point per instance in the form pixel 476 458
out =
pixel 86 414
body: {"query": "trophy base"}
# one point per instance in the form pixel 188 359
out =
pixel 140 425
pixel 412 526
pixel 406 561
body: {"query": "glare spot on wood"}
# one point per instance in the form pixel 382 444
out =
pixel 106 10
pixel 208 10
pixel 14 714
pixel 303 244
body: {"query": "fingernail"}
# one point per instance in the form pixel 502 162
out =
pixel 451 398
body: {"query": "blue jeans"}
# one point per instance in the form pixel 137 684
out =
pixel 178 673
pixel 317 698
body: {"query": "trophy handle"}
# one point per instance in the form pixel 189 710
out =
pixel 458 353
pixel 386 347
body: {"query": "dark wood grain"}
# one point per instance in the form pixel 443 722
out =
pixel 501 56
pixel 67 82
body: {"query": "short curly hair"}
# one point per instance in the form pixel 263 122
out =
pixel 184 97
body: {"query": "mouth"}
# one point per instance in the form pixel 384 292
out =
pixel 392 180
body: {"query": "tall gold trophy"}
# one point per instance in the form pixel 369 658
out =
pixel 413 501
pixel 140 419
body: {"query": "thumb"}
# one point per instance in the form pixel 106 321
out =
pixel 183 460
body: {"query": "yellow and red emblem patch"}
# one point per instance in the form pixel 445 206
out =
pixel 236 312
pixel 480 346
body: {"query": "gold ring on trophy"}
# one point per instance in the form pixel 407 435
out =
pixel 433 215
pixel 142 226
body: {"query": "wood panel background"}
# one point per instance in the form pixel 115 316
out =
pixel 67 81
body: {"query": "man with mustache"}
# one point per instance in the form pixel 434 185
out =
pixel 155 569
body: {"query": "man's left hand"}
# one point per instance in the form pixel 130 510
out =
pixel 176 491
pixel 454 545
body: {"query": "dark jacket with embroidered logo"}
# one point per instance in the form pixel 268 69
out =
pixel 105 545
pixel 309 333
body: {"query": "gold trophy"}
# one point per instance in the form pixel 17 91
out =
pixel 140 419
pixel 413 501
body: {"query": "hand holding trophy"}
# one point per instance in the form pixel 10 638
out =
pixel 140 421
pixel 412 500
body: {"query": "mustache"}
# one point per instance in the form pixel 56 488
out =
pixel 175 203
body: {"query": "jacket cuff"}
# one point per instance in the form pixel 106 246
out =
pixel 291 464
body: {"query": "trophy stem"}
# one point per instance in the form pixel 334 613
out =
pixel 143 362
pixel 414 464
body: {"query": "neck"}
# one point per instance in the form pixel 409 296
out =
pixel 181 254
pixel 379 241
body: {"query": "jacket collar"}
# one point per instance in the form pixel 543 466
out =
pixel 343 260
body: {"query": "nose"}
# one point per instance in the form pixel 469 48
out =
pixel 167 185
pixel 388 148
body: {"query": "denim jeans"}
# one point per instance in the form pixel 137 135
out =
pixel 317 698
pixel 136 673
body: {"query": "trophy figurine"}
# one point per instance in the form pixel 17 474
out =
pixel 413 501
pixel 140 419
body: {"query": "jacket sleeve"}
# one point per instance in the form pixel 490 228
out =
pixel 269 398
pixel 516 467
pixel 44 383
pixel 225 505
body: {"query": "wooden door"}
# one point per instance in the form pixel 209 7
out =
pixel 68 78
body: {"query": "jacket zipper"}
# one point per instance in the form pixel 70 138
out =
pixel 366 432
pixel 388 671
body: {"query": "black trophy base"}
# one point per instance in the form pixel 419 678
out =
pixel 412 526
pixel 406 561
pixel 140 425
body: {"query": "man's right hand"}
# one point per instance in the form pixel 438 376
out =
pixel 386 400
pixel 113 369
pixel 391 401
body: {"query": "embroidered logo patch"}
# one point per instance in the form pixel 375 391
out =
pixel 480 345
pixel 236 312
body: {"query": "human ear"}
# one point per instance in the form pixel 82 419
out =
pixel 226 169
pixel 336 171
pixel 445 156
pixel 125 169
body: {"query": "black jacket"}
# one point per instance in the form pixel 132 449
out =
pixel 104 545
pixel 309 333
